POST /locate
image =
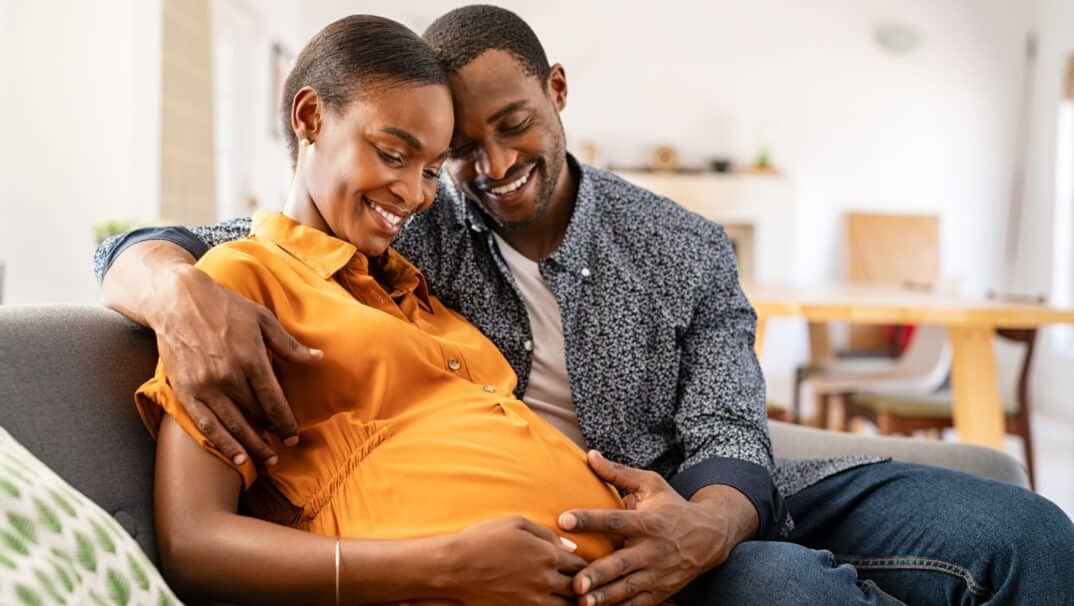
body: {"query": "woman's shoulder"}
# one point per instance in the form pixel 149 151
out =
pixel 245 265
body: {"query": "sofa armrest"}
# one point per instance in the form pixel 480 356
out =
pixel 797 442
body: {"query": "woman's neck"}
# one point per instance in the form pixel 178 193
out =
pixel 301 208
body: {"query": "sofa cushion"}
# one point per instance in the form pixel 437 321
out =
pixel 58 547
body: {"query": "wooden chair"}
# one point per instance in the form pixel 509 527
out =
pixel 921 369
pixel 886 249
pixel 894 413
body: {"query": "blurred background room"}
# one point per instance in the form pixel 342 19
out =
pixel 906 164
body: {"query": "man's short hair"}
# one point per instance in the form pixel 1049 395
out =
pixel 459 36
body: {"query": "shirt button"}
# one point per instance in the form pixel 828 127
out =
pixel 489 388
pixel 453 364
pixel 528 345
pixel 585 272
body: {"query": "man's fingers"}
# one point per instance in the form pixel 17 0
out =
pixel 235 424
pixel 560 585
pixel 281 341
pixel 617 474
pixel 608 570
pixel 614 521
pixel 632 590
pixel 209 426
pixel 269 394
pixel 242 394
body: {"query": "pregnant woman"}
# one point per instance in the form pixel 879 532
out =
pixel 414 456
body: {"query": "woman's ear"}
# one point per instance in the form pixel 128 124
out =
pixel 306 114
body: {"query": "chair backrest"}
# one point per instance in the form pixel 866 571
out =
pixel 889 250
pixel 67 380
pixel 927 358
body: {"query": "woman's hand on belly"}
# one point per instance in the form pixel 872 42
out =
pixel 511 561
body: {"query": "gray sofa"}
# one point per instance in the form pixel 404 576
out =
pixel 68 375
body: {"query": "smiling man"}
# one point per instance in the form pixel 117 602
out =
pixel 622 316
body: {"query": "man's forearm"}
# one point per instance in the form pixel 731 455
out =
pixel 138 276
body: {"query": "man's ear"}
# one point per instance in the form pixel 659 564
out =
pixel 557 86
pixel 306 113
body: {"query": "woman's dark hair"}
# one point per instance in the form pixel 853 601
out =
pixel 355 56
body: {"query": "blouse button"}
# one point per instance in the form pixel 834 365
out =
pixel 585 272
pixel 489 388
pixel 453 364
pixel 528 345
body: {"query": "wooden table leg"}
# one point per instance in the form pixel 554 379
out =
pixel 758 339
pixel 978 410
pixel 820 346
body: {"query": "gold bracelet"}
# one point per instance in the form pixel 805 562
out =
pixel 337 570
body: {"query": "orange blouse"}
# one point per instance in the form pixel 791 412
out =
pixel 408 425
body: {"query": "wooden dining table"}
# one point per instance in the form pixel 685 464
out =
pixel 971 322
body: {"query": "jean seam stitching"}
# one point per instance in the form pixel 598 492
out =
pixel 917 563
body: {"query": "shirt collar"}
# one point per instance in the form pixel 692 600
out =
pixel 327 255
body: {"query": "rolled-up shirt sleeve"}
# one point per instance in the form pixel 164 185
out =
pixel 196 241
pixel 720 418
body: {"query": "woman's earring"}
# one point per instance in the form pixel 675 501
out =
pixel 308 141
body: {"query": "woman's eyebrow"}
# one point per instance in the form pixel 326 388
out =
pixel 408 138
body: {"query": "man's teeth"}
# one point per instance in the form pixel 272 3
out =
pixel 510 187
pixel 392 219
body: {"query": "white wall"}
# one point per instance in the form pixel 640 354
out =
pixel 79 136
pixel 853 127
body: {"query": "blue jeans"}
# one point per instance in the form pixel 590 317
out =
pixel 896 533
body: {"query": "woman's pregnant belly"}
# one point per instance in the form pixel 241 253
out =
pixel 440 469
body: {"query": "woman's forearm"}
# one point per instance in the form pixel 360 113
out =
pixel 245 560
pixel 208 551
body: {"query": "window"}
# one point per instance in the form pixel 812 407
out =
pixel 1063 225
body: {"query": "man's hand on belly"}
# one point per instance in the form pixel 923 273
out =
pixel 668 541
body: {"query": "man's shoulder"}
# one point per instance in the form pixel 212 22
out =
pixel 632 213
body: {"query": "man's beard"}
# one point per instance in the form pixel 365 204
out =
pixel 551 167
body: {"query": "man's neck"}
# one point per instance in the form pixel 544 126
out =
pixel 541 238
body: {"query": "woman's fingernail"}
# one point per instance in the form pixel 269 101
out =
pixel 239 459
pixel 316 353
pixel 292 441
pixel 272 461
pixel 585 587
pixel 569 544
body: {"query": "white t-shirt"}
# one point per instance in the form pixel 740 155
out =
pixel 548 392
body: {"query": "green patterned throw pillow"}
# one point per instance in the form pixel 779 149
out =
pixel 58 547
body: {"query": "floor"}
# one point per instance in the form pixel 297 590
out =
pixel 1054 440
